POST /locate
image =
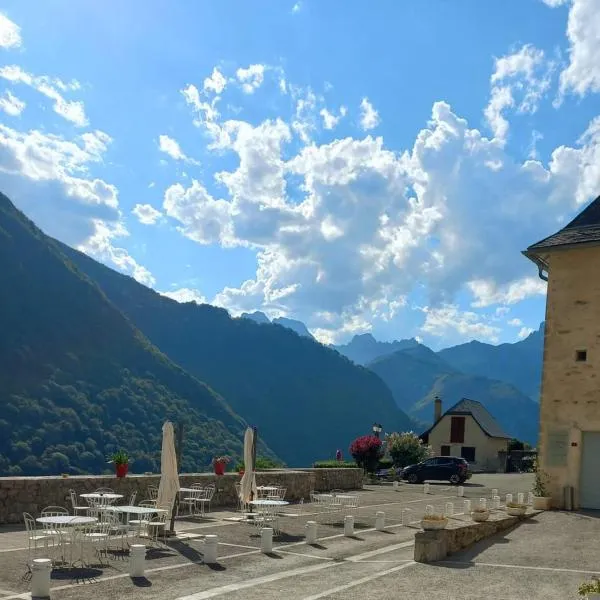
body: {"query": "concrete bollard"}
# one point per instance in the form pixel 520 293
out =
pixel 406 516
pixel 380 520
pixel 210 549
pixel 395 485
pixel 530 498
pixel 496 502
pixel 494 492
pixel 426 488
pixel 460 491
pixel 509 498
pixel 40 577
pixel 137 560
pixel 467 507
pixel 311 532
pixel 482 503
pixel 266 540
pixel 348 525
pixel 521 498
pixel 449 512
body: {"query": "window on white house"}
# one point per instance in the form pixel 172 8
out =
pixel 581 355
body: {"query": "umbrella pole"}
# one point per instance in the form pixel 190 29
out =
pixel 178 449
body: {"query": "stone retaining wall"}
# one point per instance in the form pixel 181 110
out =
pixel 431 546
pixel 32 494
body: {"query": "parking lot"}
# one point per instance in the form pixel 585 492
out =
pixel 545 557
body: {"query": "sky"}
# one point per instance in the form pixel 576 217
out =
pixel 359 167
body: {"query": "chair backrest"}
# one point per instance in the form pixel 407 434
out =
pixel 132 498
pixel 197 486
pixel 152 492
pixel 73 497
pixel 147 503
pixel 54 511
pixel 29 523
pixel 105 490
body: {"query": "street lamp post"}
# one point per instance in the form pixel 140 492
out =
pixel 377 429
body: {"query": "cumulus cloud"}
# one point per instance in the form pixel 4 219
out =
pixel 185 295
pixel 10 33
pixel 251 78
pixel 296 8
pixel 555 3
pixel 582 75
pixel 487 292
pixel 171 147
pixel 70 110
pixel 216 82
pixel 369 117
pixel 11 105
pixel 519 80
pixel 146 214
pixel 515 323
pixel 330 120
pixel 524 332
pixel 448 320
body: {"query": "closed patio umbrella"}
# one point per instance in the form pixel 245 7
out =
pixel 169 478
pixel 248 489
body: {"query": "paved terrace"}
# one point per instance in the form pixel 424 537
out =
pixel 546 557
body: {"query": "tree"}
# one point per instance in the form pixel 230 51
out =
pixel 406 448
pixel 366 451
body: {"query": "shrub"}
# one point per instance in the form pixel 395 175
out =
pixel 366 451
pixel 334 464
pixel 590 587
pixel 385 463
pixel 406 448
pixel 262 463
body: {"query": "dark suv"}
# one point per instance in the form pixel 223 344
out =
pixel 440 468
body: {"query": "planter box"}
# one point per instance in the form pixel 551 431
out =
pixel 542 503
pixel 516 512
pixel 428 525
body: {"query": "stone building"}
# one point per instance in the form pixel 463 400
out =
pixel 468 430
pixel 569 441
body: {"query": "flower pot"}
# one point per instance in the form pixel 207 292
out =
pixel 241 472
pixel 480 516
pixel 516 512
pixel 121 469
pixel 428 525
pixel 541 502
pixel 219 468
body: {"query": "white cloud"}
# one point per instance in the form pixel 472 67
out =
pixel 555 3
pixel 330 120
pixel 185 295
pixel 369 117
pixel 515 323
pixel 146 214
pixel 10 33
pixel 526 74
pixel 207 117
pixel 448 320
pixel 171 147
pixel 582 75
pixel 216 82
pixel 524 332
pixel 72 111
pixel 251 78
pixel 296 8
pixel 11 105
pixel 487 292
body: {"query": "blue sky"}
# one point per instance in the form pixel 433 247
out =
pixel 357 169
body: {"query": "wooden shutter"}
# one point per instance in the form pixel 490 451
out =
pixel 457 430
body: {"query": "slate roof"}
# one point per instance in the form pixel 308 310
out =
pixel 481 415
pixel 583 229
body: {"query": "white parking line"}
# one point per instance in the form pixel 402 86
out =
pixel 347 586
pixel 520 567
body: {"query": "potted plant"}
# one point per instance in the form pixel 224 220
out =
pixel 590 589
pixel 514 509
pixel 541 496
pixel 219 464
pixel 480 514
pixel 433 521
pixel 121 462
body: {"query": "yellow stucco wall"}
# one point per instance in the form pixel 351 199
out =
pixel 486 448
pixel 570 395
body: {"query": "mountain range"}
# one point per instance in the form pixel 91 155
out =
pixel 92 361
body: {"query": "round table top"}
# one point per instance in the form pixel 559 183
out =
pixel 268 502
pixel 270 488
pixel 99 496
pixel 135 510
pixel 66 520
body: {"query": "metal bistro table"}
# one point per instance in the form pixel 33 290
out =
pixel 66 521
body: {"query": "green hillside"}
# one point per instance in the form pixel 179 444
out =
pixel 78 380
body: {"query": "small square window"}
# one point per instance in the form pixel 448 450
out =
pixel 581 355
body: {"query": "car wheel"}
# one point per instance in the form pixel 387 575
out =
pixel 413 478
pixel 454 478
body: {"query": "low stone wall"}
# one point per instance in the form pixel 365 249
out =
pixel 431 546
pixel 32 494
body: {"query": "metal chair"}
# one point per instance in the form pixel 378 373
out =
pixel 132 498
pixel 205 497
pixel 152 492
pixel 34 537
pixel 157 525
pixel 76 507
pixel 141 523
pixel 190 500
pixel 105 490
pixel 96 536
